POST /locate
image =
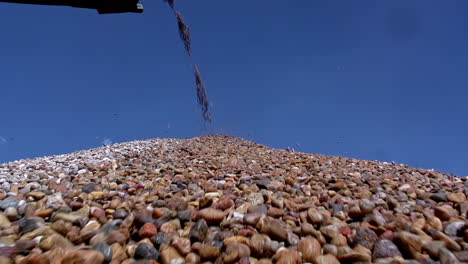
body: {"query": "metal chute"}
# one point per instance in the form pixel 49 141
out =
pixel 102 6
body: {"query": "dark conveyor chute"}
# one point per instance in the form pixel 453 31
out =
pixel 102 6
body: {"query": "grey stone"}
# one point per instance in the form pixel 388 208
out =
pixel 8 202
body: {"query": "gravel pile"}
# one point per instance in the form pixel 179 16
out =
pixel 221 199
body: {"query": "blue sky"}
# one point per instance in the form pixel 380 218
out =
pixel 381 80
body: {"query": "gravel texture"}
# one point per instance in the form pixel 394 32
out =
pixel 220 199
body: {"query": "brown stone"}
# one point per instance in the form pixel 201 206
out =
pixel 410 245
pixel 224 204
pixel 456 197
pixel 34 259
pixel 339 240
pixel 36 195
pixel 327 259
pixel 5 260
pixel 353 257
pixel 273 228
pixel 90 226
pixel 211 215
pixel 182 245
pixel 433 248
pixel 97 213
pixel 341 185
pixel 44 213
pixel 170 255
pixel 4 222
pixel 74 235
pixel 315 216
pixel 236 239
pixel 192 258
pixel 55 240
pixel 330 249
pixel 443 213
pixel 118 253
pixel 450 243
pixel 82 256
pixel 117 236
pixel 171 226
pixel 330 231
pixel 55 255
pixel 447 257
pixel 208 252
pixel 310 249
pixel 97 194
pixel 275 212
pixel 418 224
pixel 11 213
pixel 235 251
pixel 366 206
pixel 287 256
pixel 434 223
pixel 307 229
pixel 257 244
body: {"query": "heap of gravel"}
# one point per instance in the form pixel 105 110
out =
pixel 221 199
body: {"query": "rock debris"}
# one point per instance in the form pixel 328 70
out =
pixel 220 199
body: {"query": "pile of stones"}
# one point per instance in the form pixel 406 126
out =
pixel 220 199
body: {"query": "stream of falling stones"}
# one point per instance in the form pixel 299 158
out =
pixel 184 33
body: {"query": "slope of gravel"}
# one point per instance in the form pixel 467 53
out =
pixel 221 199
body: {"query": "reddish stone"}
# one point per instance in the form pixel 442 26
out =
pixel 8 251
pixel 345 230
pixel 224 204
pixel 246 232
pixel 148 230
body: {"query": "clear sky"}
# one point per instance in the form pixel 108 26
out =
pixel 383 80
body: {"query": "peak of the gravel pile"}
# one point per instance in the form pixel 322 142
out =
pixel 221 199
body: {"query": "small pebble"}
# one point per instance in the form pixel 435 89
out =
pixel 146 251
pixel 148 230
pixel 105 250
